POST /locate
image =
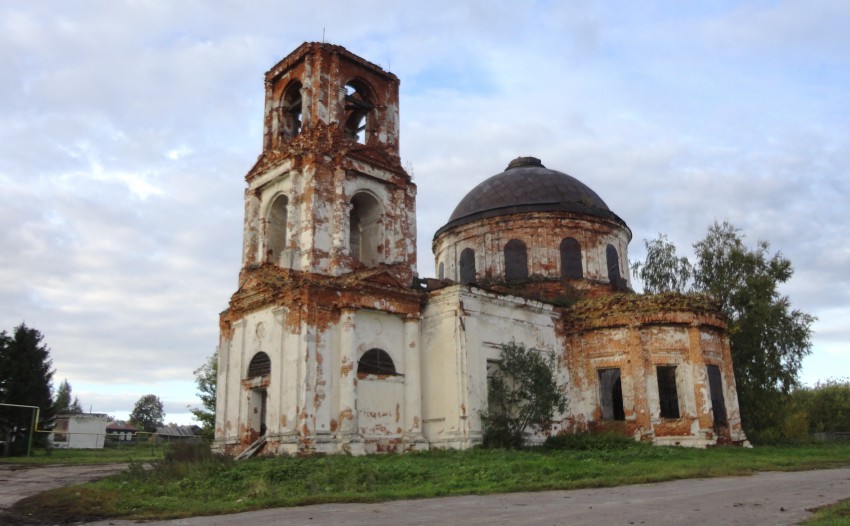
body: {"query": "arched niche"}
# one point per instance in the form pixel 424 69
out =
pixel 365 229
pixel 276 228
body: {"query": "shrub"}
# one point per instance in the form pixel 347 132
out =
pixel 523 394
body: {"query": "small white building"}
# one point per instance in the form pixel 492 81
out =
pixel 79 431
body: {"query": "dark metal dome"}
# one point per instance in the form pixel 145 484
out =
pixel 528 186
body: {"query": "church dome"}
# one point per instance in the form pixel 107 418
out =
pixel 528 186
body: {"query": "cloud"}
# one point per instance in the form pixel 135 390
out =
pixel 128 128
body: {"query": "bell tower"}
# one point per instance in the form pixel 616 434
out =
pixel 319 345
pixel 328 194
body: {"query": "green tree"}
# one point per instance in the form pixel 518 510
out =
pixel 148 413
pixel 827 405
pixel 768 338
pixel 26 376
pixel 206 378
pixel 523 394
pixel 66 403
pixel 663 270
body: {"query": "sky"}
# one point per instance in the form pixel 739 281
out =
pixel 127 127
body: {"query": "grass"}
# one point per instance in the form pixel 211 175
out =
pixel 193 482
pixel 833 515
pixel 128 453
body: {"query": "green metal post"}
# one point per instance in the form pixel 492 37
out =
pixel 35 414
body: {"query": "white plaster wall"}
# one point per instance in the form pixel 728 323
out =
pixel 84 432
pixel 380 407
pixel 261 331
pixel 441 345
pixel 381 399
pixel 484 323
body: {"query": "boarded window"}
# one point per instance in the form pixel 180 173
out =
pixel 516 261
pixel 718 403
pixel 611 394
pixel 668 396
pixel 376 361
pixel 467 266
pixel 260 365
pixel 613 265
pixel 571 259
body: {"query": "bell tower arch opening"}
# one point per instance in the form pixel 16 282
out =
pixel 358 109
pixel 291 108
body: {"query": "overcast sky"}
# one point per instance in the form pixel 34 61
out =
pixel 126 129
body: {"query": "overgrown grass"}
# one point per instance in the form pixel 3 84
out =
pixel 129 453
pixel 197 483
pixel 833 515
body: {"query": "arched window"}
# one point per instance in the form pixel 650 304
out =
pixel 467 266
pixel 276 228
pixel 376 361
pixel 516 261
pixel 358 105
pixel 260 365
pixel 364 229
pixel 291 111
pixel 441 272
pixel 613 266
pixel 571 259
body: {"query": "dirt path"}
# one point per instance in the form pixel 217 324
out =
pixel 22 480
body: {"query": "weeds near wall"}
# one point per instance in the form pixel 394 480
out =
pixel 523 395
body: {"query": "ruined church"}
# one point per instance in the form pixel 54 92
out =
pixel 333 343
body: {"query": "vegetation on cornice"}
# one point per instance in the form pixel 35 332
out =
pixel 590 310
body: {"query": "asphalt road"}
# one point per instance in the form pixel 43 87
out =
pixel 764 498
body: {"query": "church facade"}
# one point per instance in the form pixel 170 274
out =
pixel 332 343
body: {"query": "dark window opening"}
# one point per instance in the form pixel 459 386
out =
pixel 516 261
pixel 376 361
pixel 441 271
pixel 258 412
pixel 611 394
pixel 718 402
pixel 467 266
pixel 613 266
pixel 291 111
pixel 668 396
pixel 571 259
pixel 357 109
pixel 260 365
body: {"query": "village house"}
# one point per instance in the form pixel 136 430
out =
pixel 333 343
pixel 79 431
